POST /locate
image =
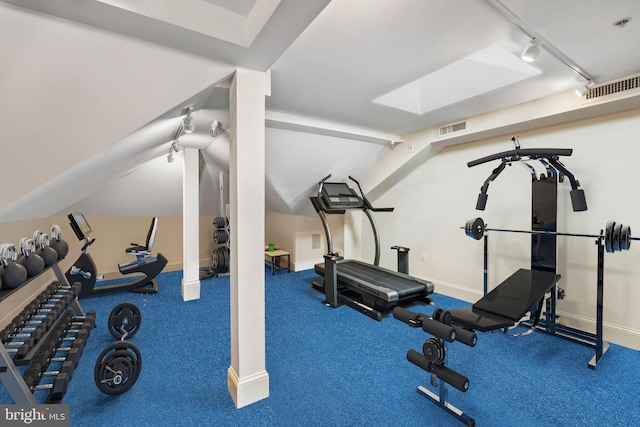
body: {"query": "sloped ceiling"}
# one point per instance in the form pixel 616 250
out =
pixel 104 84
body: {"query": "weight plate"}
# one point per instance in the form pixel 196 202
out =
pixel 124 318
pixel 436 314
pixel 627 237
pixel 445 317
pixel 478 228
pixel 434 351
pixel 117 368
pixel 608 234
pixel 615 239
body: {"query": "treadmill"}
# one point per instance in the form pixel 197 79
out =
pixel 368 288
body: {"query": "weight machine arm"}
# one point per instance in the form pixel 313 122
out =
pixel 578 200
pixel 482 197
pixel 547 156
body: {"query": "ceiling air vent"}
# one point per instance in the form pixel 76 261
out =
pixel 449 129
pixel 611 88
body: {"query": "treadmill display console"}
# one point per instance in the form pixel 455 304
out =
pixel 339 195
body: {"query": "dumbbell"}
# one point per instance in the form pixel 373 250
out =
pixel 82 329
pixel 34 374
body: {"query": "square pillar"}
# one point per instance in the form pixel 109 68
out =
pixel 191 225
pixel 247 378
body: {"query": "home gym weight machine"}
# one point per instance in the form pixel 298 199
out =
pixel 525 291
pixel 146 263
pixel 367 288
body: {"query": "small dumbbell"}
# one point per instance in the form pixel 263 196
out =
pixel 73 355
pixel 34 374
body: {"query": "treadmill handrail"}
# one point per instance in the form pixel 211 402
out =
pixel 368 204
pixel 515 155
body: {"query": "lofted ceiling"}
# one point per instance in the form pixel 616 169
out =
pixel 348 76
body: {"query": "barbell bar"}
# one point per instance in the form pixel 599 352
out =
pixel 617 237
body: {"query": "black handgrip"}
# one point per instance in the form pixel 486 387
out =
pixel 440 330
pixel 466 336
pixel 452 377
pixel 381 209
pixel 408 317
pixel 578 200
pixel 482 201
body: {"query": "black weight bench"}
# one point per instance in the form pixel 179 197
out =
pixel 505 305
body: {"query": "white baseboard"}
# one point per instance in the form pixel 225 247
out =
pixel 248 390
pixel 612 333
pixel 305 265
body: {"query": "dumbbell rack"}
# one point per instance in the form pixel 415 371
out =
pixel 47 338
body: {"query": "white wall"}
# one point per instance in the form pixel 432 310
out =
pixel 435 200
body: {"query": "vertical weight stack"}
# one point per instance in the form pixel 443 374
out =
pixel 220 256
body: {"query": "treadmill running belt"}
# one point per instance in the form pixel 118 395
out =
pixel 386 284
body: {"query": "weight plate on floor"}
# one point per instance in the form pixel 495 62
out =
pixel 124 318
pixel 117 368
pixel 608 235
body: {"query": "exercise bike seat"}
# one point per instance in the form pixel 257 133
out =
pixel 140 250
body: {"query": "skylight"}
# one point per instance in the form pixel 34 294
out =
pixel 488 69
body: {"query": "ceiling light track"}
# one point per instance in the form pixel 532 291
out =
pixel 528 31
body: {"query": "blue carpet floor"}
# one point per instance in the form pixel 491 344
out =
pixel 336 367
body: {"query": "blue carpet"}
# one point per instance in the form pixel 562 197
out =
pixel 336 367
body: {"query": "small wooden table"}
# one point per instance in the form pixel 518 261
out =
pixel 278 253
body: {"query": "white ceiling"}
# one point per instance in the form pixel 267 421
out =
pixel 330 60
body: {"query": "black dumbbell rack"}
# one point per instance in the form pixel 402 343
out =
pixel 46 337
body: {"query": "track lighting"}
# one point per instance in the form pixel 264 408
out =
pixel 189 125
pixel 175 147
pixel 217 129
pixel 531 52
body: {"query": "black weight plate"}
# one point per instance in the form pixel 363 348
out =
pixel 434 351
pixel 445 317
pixel 436 314
pixel 615 239
pixel 625 238
pixel 132 349
pixel 117 368
pixel 608 234
pixel 467 228
pixel 478 228
pixel 124 316
pixel 115 375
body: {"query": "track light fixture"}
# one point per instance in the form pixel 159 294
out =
pixel 189 125
pixel 531 52
pixel 175 148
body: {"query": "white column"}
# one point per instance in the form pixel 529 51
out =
pixel 247 378
pixel 190 225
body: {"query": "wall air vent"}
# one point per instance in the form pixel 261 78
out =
pixel 615 87
pixel 449 129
